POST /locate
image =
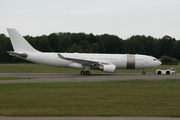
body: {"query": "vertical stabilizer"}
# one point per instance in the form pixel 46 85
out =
pixel 19 43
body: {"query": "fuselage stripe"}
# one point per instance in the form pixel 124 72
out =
pixel 130 62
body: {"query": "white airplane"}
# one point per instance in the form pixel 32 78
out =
pixel 85 61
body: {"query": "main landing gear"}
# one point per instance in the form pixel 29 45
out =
pixel 85 72
pixel 144 71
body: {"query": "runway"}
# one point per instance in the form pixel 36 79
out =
pixel 56 77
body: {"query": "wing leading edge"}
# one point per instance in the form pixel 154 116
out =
pixel 82 61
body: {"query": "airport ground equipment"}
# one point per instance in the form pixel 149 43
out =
pixel 165 71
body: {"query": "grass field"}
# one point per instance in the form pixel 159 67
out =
pixel 35 68
pixel 117 98
pixel 111 98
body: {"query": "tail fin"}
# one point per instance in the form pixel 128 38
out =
pixel 19 43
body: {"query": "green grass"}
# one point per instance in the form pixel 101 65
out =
pixel 117 98
pixel 111 98
pixel 35 68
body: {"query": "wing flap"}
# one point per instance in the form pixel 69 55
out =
pixel 81 61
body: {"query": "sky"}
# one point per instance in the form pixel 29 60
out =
pixel 123 18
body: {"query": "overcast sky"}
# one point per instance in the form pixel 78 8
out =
pixel 119 17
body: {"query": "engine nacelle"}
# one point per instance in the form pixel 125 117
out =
pixel 107 68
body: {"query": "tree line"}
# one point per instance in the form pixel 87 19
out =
pixel 89 43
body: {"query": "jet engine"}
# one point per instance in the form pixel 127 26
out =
pixel 107 68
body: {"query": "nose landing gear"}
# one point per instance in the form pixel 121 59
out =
pixel 144 71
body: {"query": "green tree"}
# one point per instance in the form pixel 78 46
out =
pixel 94 48
pixel 32 41
pixel 176 50
pixel 5 45
pixel 92 38
pixel 134 45
pixel 167 60
pixel 166 45
pixel 78 37
pixel 110 44
pixel 64 42
pixel 54 42
pixel 43 43
pixel 75 48
pixel 84 45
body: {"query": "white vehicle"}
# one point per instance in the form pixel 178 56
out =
pixel 105 62
pixel 166 71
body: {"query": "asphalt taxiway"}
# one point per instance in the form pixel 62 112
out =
pixel 56 77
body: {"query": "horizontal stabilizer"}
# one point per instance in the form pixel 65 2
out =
pixel 20 55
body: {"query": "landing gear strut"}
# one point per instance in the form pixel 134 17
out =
pixel 144 71
pixel 85 72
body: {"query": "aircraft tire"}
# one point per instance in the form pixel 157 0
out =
pixel 87 73
pixel 143 73
pixel 83 73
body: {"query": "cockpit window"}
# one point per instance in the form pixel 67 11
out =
pixel 154 59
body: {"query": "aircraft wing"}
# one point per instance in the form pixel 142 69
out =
pixel 82 61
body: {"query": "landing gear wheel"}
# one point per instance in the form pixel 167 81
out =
pixel 83 73
pixel 87 73
pixel 144 72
